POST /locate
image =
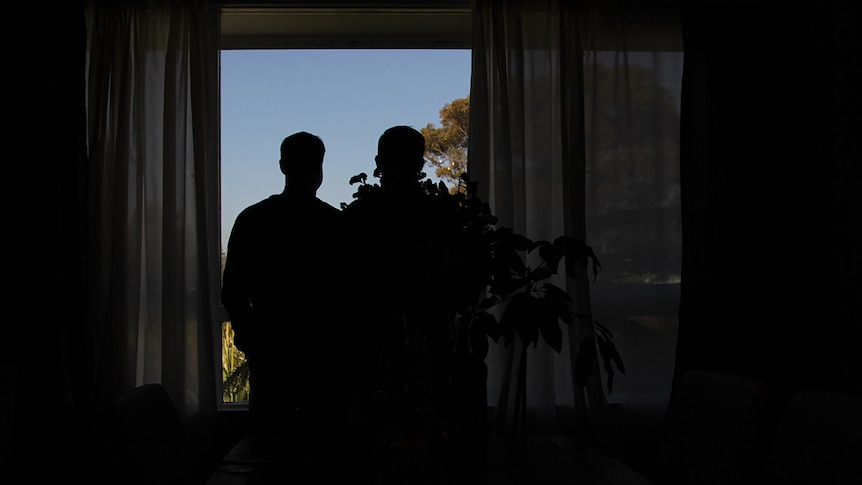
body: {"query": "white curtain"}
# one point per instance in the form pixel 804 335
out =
pixel 540 100
pixel 152 215
pixel 633 80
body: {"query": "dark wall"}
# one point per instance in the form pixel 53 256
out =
pixel 771 179
pixel 769 148
pixel 45 336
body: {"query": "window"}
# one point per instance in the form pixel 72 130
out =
pixel 343 75
pixel 633 216
pixel 336 47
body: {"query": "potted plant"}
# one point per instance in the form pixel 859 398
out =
pixel 503 292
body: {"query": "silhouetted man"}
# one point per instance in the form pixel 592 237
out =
pixel 277 288
pixel 400 253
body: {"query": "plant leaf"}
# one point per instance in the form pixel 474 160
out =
pixel 601 327
pixel 539 274
pixel 515 262
pixel 577 253
pixel 615 356
pixel 540 245
pixel 558 302
pixel 552 255
pixel 360 178
pixel 488 302
pixel 551 332
pixel 605 352
pixel 596 266
pixel 507 286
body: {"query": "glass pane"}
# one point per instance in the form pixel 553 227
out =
pixel 347 98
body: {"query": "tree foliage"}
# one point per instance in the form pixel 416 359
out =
pixel 633 174
pixel 446 145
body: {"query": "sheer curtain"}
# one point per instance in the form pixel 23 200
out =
pixel 152 214
pixel 567 139
pixel 634 63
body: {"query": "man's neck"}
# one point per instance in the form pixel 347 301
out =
pixel 298 194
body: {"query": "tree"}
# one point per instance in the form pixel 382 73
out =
pixel 633 195
pixel 446 146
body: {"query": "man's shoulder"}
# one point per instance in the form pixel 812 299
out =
pixel 264 205
pixel 326 206
pixel 255 212
pixel 267 202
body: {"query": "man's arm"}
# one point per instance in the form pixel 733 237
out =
pixel 236 280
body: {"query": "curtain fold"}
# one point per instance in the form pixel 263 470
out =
pixel 152 215
pixel 551 79
pixel 633 68
pixel 516 155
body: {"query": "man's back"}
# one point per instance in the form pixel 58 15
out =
pixel 282 251
pixel 279 280
pixel 402 256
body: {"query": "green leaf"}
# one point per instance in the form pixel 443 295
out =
pixel 506 287
pixel 551 255
pixel 577 253
pixel 551 332
pixel 601 327
pixel 615 356
pixel 558 302
pixel 584 361
pixel 539 274
pixel 361 178
pixel 541 246
pixel 488 302
pixel 515 262
pixel 490 324
pixel 596 266
pixel 604 351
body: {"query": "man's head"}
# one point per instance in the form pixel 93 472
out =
pixel 302 161
pixel 400 153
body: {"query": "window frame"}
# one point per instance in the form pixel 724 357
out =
pixel 329 25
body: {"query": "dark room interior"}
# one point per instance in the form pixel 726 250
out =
pixel 115 281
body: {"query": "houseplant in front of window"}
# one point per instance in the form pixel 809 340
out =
pixel 496 287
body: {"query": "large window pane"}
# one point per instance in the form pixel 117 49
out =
pixel 347 97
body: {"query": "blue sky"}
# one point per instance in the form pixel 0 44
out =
pixel 347 97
